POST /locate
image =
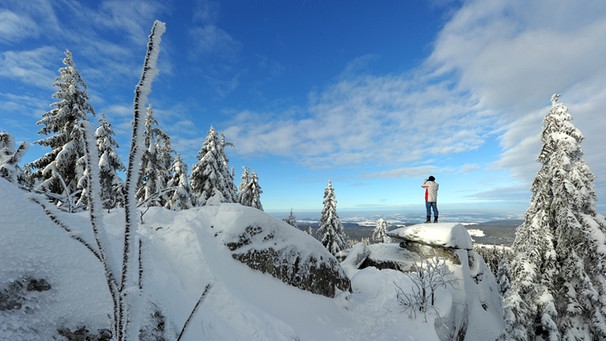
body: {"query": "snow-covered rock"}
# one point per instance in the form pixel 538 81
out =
pixel 470 308
pixel 450 235
pixel 280 250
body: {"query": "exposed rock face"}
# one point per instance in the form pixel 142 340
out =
pixel 284 252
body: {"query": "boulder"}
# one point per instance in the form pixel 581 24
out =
pixel 283 251
pixel 446 235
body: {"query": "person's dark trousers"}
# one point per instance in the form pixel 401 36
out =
pixel 429 207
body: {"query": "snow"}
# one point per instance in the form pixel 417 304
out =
pixel 452 235
pixel 183 252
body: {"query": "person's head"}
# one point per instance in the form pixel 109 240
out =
pixel 431 178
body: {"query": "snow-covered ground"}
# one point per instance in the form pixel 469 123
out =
pixel 182 255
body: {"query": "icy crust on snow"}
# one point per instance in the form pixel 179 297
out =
pixel 451 235
pixel 280 250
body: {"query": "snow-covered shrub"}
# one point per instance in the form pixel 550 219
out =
pixel 427 277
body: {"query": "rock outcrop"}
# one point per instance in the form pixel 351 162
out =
pixel 474 292
pixel 284 252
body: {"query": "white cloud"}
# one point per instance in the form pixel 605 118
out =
pixel 30 67
pixel 513 55
pixel 14 27
pixel 210 40
pixel 386 120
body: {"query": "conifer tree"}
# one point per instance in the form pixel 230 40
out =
pixel 330 231
pixel 379 234
pixel 250 190
pixel 211 181
pixel 243 193
pixel 109 165
pixel 156 163
pixel 60 170
pixel 291 219
pixel 503 276
pixel 558 289
pixel 9 158
pixel 179 194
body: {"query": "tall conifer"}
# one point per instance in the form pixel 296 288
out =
pixel 60 170
pixel 558 288
pixel 109 165
pixel 331 232
pixel 211 181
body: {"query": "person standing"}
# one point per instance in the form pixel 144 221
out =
pixel 431 198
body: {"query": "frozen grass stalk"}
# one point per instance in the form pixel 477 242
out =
pixel 130 294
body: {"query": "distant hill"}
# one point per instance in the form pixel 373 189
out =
pixel 495 232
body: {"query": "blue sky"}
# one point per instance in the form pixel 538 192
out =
pixel 373 95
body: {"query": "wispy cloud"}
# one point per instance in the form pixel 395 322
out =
pixel 215 51
pixel 512 55
pixel 30 67
pixel 14 27
pixel 364 118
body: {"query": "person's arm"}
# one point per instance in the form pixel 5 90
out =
pixel 425 185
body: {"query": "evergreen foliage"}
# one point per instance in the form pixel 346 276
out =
pixel 109 164
pixel 9 158
pixel 291 219
pixel 379 234
pixel 211 181
pixel 155 164
pixel 331 232
pixel 250 190
pixel 60 170
pixel 179 194
pixel 558 289
pixel 503 276
pixel 243 193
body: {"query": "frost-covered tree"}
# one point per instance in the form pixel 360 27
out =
pixel 331 232
pixel 211 181
pixel 155 165
pixel 250 190
pixel 379 234
pixel 558 288
pixel 9 158
pixel 179 194
pixel 291 219
pixel 60 170
pixel 503 276
pixel 242 190
pixel 109 165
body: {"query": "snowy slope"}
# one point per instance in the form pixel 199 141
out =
pixel 182 255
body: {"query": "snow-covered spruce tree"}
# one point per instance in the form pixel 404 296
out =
pixel 503 277
pixel 211 181
pixel 243 194
pixel 558 288
pixel 179 194
pixel 112 187
pixel 291 219
pixel 155 164
pixel 250 192
pixel 379 234
pixel 9 158
pixel 331 232
pixel 60 170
